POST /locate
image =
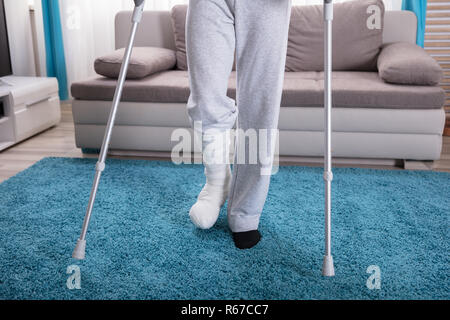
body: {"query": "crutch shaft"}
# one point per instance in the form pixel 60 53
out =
pixel 328 265
pixel 90 204
pixel 328 164
pixel 107 137
pixel 79 250
pixel 117 96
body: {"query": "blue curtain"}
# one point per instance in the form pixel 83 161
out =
pixel 419 7
pixel 54 46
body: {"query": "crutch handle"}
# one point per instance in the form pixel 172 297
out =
pixel 138 10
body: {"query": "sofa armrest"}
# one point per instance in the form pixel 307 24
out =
pixel 409 64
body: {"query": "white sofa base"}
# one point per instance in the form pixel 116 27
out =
pixel 292 143
pixel 358 132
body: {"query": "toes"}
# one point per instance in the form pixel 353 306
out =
pixel 203 215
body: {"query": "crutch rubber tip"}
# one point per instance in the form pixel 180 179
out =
pixel 80 249
pixel 328 266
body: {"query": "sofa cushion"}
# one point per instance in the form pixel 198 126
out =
pixel 407 63
pixel 144 61
pixel 165 86
pixel 355 46
pixel 350 89
pixel 358 89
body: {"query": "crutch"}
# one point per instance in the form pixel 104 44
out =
pixel 328 265
pixel 80 248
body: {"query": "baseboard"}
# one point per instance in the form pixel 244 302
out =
pixel 283 160
pixel 286 161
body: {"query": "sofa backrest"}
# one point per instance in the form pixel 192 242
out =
pixel 156 30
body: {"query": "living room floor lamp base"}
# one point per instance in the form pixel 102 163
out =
pixel 80 248
pixel 328 265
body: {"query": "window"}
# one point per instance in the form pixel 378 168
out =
pixel 437 43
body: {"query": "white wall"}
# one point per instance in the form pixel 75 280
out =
pixel 19 35
pixel 393 4
pixel 88 32
pixel 40 36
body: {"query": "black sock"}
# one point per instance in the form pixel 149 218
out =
pixel 246 240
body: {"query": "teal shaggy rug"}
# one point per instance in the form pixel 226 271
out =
pixel 142 245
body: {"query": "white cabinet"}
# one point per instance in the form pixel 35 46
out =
pixel 28 105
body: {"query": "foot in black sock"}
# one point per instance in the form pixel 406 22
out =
pixel 246 240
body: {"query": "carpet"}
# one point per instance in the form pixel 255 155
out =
pixel 142 245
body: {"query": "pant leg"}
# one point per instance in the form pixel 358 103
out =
pixel 261 45
pixel 210 45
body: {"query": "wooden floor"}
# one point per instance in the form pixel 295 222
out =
pixel 59 141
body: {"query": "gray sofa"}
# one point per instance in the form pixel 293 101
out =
pixel 373 121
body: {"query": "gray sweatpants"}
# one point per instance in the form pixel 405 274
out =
pixel 257 30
